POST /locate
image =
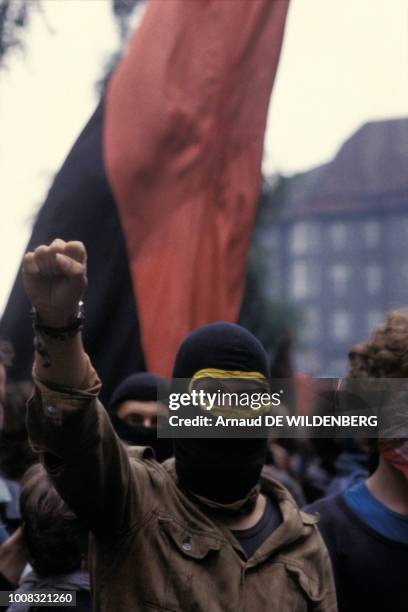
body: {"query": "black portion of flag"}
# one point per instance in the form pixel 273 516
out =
pixel 80 206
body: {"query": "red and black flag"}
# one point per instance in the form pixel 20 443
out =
pixel 162 184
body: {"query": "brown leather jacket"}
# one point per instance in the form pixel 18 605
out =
pixel 153 548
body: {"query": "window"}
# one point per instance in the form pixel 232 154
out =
pixel 311 325
pixel 372 232
pixel 340 275
pixel 304 280
pixel 303 238
pixel 338 235
pixel 341 325
pixel 373 279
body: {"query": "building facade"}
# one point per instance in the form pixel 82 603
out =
pixel 339 250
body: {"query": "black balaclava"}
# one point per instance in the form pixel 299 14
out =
pixel 223 471
pixel 140 387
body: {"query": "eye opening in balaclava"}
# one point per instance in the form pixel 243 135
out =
pixel 220 470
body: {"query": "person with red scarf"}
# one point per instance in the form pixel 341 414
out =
pixel 366 527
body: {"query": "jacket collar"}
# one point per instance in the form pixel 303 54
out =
pixel 295 524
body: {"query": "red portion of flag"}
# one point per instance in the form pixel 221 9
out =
pixel 185 116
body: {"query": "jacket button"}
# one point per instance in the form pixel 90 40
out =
pixel 187 545
pixel 51 409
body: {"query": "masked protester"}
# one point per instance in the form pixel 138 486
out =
pixel 134 409
pixel 204 531
pixel 366 527
pixel 221 473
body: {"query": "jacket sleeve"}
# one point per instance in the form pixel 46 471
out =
pixel 327 602
pixel 86 461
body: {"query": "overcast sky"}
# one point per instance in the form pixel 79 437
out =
pixel 344 62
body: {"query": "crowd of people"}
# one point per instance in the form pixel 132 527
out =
pixel 92 501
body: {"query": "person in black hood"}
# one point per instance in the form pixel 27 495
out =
pixel 224 472
pixel 134 408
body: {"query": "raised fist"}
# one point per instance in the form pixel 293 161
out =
pixel 54 278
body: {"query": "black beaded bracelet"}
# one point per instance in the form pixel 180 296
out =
pixel 56 333
pixel 59 333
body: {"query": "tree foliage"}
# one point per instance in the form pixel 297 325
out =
pixel 122 11
pixel 14 17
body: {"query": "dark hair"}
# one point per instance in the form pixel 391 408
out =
pixel 54 537
pixel 16 455
pixel 6 353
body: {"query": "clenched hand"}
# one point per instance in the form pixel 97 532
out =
pixel 55 279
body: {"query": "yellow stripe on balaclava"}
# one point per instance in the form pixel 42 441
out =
pixel 238 376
